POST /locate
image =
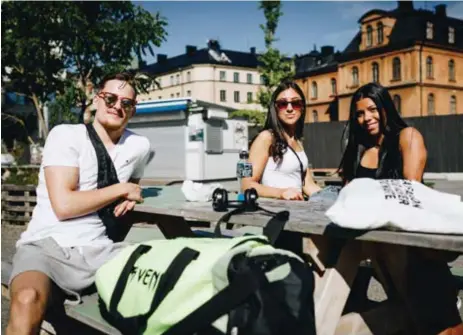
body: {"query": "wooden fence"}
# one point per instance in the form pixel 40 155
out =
pixel 18 202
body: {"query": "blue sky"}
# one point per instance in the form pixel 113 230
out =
pixel 236 24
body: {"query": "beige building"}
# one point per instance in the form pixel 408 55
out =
pixel 416 54
pixel 224 77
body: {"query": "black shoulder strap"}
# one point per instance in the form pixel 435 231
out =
pixel 107 176
pixel 303 172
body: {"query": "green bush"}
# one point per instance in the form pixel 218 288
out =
pixel 22 177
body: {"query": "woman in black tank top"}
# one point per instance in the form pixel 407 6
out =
pixel 380 145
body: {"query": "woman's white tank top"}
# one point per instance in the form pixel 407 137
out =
pixel 287 173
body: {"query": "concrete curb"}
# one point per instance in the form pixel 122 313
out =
pixel 451 176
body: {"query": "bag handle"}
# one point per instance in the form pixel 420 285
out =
pixel 167 282
pixel 272 229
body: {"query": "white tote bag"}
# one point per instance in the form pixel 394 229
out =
pixel 398 204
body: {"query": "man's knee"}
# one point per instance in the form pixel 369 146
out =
pixel 27 297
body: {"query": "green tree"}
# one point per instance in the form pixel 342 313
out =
pixel 254 117
pixel 61 109
pixel 30 63
pixel 101 37
pixel 275 66
pixel 46 42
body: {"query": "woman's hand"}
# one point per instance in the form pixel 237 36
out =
pixel 291 194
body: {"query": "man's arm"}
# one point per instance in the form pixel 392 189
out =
pixel 68 202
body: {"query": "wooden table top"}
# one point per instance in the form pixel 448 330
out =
pixel 305 217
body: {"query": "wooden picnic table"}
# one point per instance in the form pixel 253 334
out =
pixel 334 252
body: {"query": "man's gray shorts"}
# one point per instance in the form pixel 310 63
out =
pixel 72 269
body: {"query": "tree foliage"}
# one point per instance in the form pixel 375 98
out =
pixel 46 43
pixel 254 117
pixel 275 66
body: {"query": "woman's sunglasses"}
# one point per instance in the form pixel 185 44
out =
pixel 110 100
pixel 283 104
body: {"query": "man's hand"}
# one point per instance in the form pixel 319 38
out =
pixel 133 192
pixel 124 207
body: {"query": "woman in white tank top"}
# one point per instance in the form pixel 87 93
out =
pixel 279 163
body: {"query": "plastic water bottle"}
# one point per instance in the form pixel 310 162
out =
pixel 243 170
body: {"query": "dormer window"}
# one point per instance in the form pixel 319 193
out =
pixel 369 36
pixel 451 35
pixel 380 28
pixel 429 31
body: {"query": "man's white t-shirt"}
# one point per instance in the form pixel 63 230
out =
pixel 70 145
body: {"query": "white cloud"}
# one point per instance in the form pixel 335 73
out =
pixel 456 10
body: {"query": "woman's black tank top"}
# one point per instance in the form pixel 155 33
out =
pixel 363 172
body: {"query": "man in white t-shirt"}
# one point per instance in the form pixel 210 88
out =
pixel 66 242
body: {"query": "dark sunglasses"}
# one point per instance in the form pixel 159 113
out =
pixel 283 104
pixel 110 100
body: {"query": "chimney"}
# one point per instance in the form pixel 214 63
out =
pixel 214 45
pixel 405 6
pixel 190 50
pixel 162 58
pixel 327 50
pixel 441 10
pixel 253 50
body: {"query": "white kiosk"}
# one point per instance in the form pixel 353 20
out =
pixel 190 139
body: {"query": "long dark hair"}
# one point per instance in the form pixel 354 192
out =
pixel 274 125
pixel 358 140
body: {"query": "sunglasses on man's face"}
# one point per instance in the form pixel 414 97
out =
pixel 111 99
pixel 283 104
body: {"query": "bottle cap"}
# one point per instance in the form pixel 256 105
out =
pixel 244 154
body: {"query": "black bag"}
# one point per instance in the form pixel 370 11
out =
pixel 253 304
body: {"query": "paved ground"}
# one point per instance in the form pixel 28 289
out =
pixel 10 234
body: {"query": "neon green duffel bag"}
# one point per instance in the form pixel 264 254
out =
pixel 207 285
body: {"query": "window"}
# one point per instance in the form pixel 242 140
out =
pixel 333 86
pixel 159 97
pixel 451 35
pixel 171 80
pixel 188 93
pixel 177 79
pixel 431 104
pixel 249 77
pixel 172 95
pixel 223 76
pixel 315 116
pixel 178 94
pixel 375 70
pixel 429 31
pixel 236 96
pixel 396 69
pixel 236 77
pixel 369 36
pixel 188 76
pixel 453 104
pixel 223 96
pixel 397 103
pixel 262 80
pixel 355 76
pixel 249 97
pixel 451 70
pixel 380 28
pixel 214 136
pixel 314 90
pixel 429 68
